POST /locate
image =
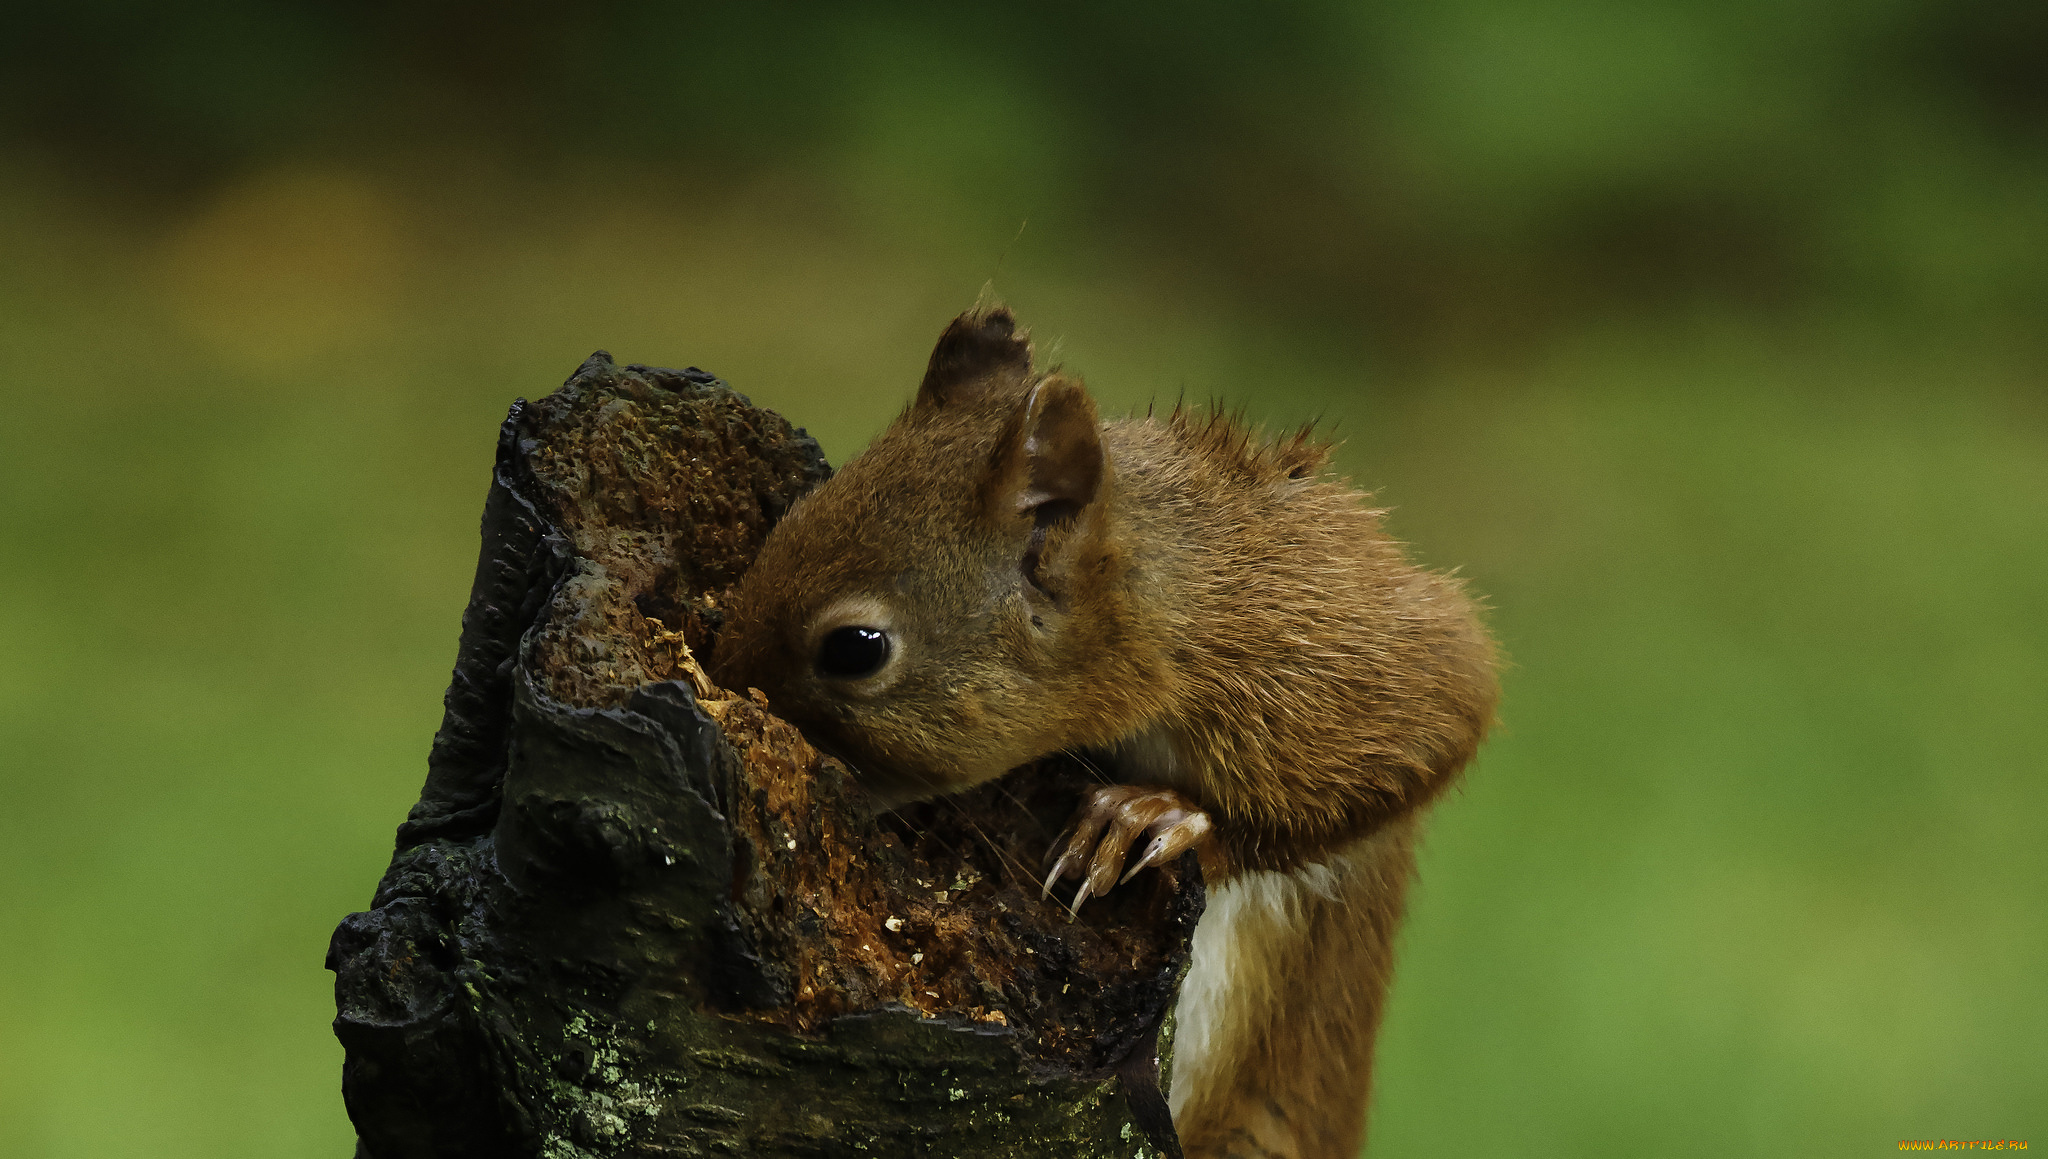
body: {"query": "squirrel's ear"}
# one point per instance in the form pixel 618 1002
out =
pixel 980 352
pixel 1062 450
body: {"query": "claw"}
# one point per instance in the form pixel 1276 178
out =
pixel 1059 870
pixel 1080 895
pixel 1145 860
pixel 1101 833
pixel 1059 844
pixel 1109 858
pixel 1184 834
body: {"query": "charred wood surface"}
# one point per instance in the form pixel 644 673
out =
pixel 633 914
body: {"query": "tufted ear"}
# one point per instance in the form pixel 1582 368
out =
pixel 1062 451
pixel 979 354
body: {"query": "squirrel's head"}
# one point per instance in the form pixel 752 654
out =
pixel 921 612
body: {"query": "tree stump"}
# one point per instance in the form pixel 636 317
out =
pixel 633 914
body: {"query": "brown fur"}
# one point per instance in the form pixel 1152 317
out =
pixel 1209 611
pixel 1278 1013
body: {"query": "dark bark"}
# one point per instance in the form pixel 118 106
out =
pixel 634 915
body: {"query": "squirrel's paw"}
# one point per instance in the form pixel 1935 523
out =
pixel 1109 821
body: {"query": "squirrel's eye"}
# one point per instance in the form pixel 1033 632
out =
pixel 853 651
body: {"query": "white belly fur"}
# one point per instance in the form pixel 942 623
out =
pixel 1250 925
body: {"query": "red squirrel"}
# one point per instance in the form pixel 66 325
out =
pixel 1227 629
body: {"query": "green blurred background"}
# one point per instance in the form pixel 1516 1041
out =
pixel 1705 338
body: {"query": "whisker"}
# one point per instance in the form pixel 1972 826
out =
pixel 1012 866
pixel 1089 766
pixel 1023 809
